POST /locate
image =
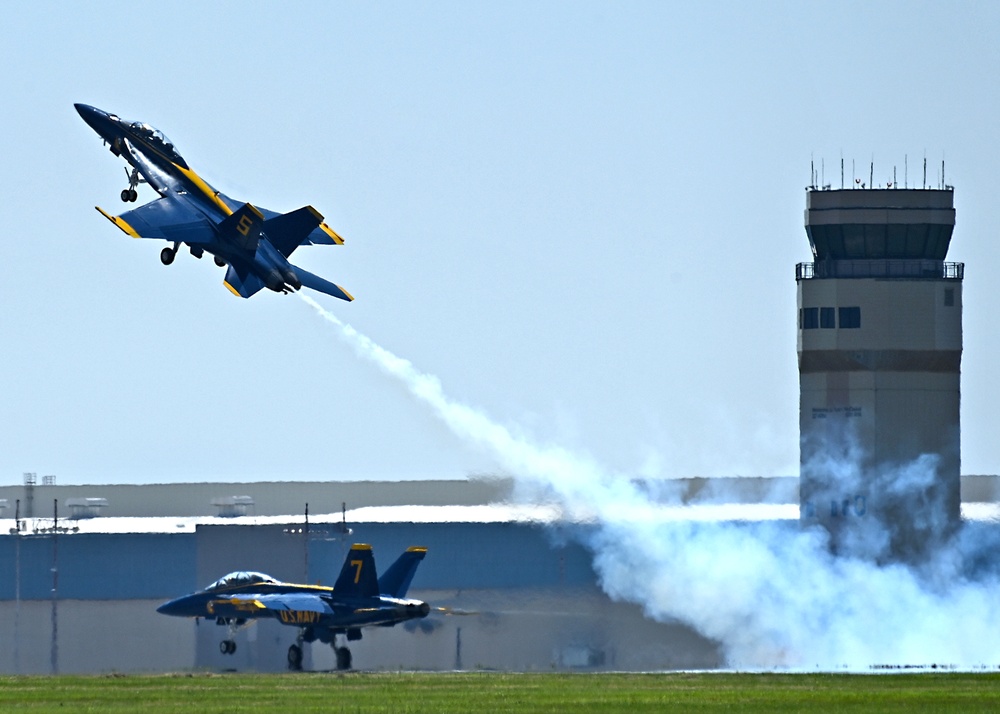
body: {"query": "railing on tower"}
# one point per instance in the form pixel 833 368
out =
pixel 893 268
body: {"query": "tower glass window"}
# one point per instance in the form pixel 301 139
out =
pixel 850 318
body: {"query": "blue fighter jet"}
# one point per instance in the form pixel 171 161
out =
pixel 358 599
pixel 255 243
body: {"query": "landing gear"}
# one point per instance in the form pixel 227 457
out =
pixel 129 194
pixel 220 262
pixel 343 657
pixel 295 658
pixel 167 255
pixel 228 645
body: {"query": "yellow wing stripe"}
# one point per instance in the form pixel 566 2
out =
pixel 233 290
pixel 120 222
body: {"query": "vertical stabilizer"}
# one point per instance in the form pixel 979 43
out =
pixel 357 577
pixel 395 581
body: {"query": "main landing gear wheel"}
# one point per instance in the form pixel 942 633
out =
pixel 227 647
pixel 343 657
pixel 220 262
pixel 167 256
pixel 295 658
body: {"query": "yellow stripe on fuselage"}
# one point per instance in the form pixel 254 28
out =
pixel 120 222
pixel 209 193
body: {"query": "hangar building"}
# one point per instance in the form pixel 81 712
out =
pixel 79 594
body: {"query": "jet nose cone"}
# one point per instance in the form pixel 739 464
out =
pixel 171 607
pixel 99 121
pixel 87 112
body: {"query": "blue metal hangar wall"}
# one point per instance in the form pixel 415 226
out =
pixel 81 597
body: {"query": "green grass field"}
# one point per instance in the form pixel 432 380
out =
pixel 486 692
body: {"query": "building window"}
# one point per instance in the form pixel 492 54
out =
pixel 850 318
pixel 809 318
pixel 826 318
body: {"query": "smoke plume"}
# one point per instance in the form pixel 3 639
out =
pixel 770 593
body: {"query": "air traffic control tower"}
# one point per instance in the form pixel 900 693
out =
pixel 880 352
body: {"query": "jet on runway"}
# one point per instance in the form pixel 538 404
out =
pixel 254 242
pixel 358 599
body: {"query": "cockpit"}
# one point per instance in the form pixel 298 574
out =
pixel 158 139
pixel 241 578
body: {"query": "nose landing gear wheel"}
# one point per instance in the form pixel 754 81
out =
pixel 227 647
pixel 167 256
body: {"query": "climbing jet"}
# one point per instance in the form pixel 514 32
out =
pixel 358 599
pixel 253 242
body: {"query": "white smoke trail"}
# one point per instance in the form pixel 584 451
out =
pixel 769 593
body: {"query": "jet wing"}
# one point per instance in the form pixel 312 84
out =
pixel 168 218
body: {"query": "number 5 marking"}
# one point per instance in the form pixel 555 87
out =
pixel 244 226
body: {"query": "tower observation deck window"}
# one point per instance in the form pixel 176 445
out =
pixel 809 318
pixel 850 317
pixel 827 318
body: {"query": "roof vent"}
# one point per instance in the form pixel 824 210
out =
pixel 232 506
pixel 85 507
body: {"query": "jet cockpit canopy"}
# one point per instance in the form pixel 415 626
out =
pixel 158 139
pixel 242 577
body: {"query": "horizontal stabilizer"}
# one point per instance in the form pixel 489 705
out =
pixel 318 284
pixel 242 284
pixel 395 581
pixel 289 230
pixel 357 577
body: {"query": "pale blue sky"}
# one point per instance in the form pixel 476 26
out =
pixel 583 218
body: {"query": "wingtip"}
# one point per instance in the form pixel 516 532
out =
pixel 334 236
pixel 122 224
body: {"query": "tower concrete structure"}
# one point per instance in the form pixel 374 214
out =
pixel 879 353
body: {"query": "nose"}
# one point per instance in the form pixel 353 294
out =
pixel 172 607
pixel 99 121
